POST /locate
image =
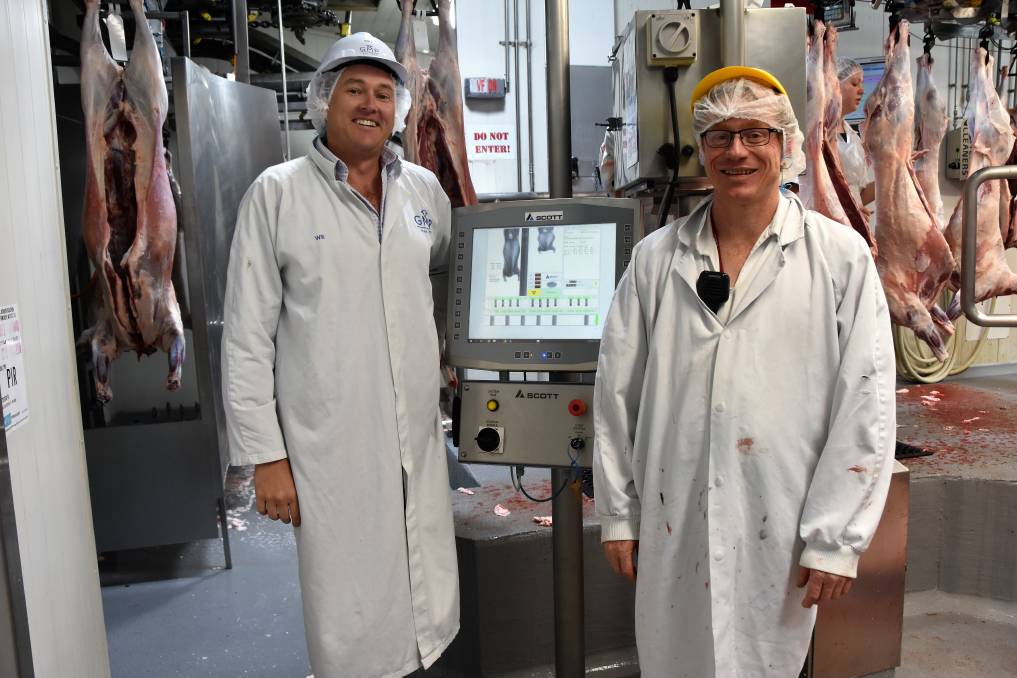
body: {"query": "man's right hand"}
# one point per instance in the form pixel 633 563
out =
pixel 621 556
pixel 274 491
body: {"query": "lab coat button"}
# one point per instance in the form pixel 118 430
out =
pixel 718 555
pixel 719 408
pixel 719 481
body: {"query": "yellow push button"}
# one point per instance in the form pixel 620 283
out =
pixel 492 405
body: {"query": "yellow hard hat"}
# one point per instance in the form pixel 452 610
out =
pixel 730 73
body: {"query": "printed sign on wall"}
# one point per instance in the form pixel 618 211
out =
pixel 13 396
pixel 490 142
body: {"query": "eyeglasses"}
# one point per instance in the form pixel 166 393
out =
pixel 754 136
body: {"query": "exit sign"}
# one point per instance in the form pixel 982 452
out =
pixel 485 88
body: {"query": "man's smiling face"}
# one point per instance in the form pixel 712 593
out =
pixel 361 112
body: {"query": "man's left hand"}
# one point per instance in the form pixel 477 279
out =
pixel 822 586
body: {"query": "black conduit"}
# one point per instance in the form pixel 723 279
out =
pixel 670 78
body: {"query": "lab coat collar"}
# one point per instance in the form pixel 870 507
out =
pixel 788 224
pixel 336 170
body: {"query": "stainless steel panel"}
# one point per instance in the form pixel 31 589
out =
pixel 860 634
pixel 535 419
pixel 775 42
pixel 228 133
pixel 651 122
pixel 152 484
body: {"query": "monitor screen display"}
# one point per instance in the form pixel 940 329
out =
pixel 872 73
pixel 541 282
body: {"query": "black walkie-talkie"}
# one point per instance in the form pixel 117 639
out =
pixel 714 288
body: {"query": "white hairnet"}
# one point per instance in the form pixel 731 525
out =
pixel 846 68
pixel 319 93
pixel 748 99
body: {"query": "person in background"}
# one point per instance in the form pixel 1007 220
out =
pixel 331 373
pixel 859 175
pixel 744 405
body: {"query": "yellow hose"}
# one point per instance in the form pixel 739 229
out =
pixel 915 361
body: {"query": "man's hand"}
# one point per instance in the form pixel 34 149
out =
pixel 275 493
pixel 621 556
pixel 822 586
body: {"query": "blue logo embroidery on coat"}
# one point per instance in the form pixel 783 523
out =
pixel 320 236
pixel 423 221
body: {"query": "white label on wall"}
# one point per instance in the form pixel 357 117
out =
pixel 13 395
pixel 490 142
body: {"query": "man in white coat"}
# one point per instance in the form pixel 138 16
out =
pixel 744 443
pixel 331 373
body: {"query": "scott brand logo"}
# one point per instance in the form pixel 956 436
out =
pixel 537 396
pixel 545 216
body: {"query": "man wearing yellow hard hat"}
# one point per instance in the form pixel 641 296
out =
pixel 744 411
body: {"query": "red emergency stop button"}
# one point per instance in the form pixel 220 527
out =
pixel 577 408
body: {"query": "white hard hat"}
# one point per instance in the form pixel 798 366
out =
pixel 360 47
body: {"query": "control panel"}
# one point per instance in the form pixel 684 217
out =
pixel 526 423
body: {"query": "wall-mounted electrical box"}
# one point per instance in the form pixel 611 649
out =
pixel 672 38
pixel 958 149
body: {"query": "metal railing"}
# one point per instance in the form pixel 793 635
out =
pixel 969 241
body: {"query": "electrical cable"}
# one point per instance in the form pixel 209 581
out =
pixel 517 482
pixel 670 78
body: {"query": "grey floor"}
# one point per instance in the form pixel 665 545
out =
pixel 174 612
pixel 194 619
pixel 952 636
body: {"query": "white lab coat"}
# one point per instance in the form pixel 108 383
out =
pixel 856 168
pixel 330 356
pixel 722 447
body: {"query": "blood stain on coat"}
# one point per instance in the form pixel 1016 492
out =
pixel 745 445
pixel 707 584
pixel 857 469
pixel 668 529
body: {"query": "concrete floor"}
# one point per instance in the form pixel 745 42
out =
pixel 969 424
pixel 952 636
pixel 173 612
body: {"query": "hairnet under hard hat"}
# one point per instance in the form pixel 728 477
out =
pixel 358 47
pixel 748 99
pixel 846 68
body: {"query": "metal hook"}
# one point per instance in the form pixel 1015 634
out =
pixel 894 16
pixel 929 41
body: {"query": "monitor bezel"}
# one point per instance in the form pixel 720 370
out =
pixel 545 355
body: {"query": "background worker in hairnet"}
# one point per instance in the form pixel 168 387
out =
pixel 330 373
pixel 852 154
pixel 743 450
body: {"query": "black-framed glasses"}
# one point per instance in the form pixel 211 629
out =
pixel 754 136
